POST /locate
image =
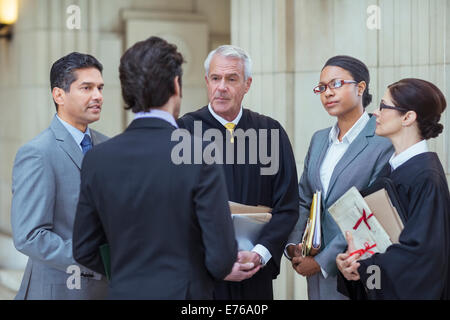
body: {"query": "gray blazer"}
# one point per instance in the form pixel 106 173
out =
pixel 45 187
pixel 360 165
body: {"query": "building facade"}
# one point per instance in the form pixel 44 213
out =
pixel 289 41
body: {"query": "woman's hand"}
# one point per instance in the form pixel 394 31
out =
pixel 346 263
pixel 306 266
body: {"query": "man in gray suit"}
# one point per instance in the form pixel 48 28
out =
pixel 46 182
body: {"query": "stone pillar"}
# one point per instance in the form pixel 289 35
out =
pixel 446 117
pixel 189 32
pixel 41 36
pixel 265 29
pixel 290 41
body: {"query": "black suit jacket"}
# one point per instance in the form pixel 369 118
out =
pixel 168 226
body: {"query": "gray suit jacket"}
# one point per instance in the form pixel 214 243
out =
pixel 45 187
pixel 359 167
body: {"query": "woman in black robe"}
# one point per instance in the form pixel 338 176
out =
pixel 418 267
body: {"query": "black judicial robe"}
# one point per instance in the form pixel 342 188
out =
pixel 246 185
pixel 419 266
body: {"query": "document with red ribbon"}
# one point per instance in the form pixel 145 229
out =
pixel 352 213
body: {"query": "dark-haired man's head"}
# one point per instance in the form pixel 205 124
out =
pixel 150 75
pixel 76 82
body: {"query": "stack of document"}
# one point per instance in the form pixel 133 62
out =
pixel 386 213
pixel 312 235
pixel 375 227
pixel 248 223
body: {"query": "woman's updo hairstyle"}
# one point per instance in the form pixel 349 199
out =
pixel 357 69
pixel 425 99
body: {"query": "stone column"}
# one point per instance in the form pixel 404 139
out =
pixel 264 28
pixel 290 41
pixel 41 36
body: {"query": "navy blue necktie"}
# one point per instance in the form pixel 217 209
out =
pixel 86 144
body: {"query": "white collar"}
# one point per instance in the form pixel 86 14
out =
pixel 77 135
pixel 222 120
pixel 157 113
pixel 414 150
pixel 351 134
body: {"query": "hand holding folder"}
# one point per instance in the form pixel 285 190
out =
pixel 374 228
pixel 311 240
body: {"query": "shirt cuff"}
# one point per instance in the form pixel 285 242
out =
pixel 325 274
pixel 285 250
pixel 263 252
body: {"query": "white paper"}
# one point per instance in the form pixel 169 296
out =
pixel 347 210
pixel 247 230
pixel 317 229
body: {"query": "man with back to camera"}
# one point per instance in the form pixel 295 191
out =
pixel 46 180
pixel 168 226
pixel 228 79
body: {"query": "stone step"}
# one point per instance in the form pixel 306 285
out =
pixel 11 279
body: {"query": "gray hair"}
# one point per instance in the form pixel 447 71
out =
pixel 230 51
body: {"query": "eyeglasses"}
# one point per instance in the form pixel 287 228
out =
pixel 383 106
pixel 333 84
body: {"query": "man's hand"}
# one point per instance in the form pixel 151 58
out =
pixel 294 250
pixel 347 264
pixel 249 256
pixel 247 264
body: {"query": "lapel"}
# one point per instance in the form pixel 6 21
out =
pixel 66 142
pixel 355 148
pixel 323 147
pixel 96 137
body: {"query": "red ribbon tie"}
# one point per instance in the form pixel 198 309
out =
pixel 367 248
pixel 363 218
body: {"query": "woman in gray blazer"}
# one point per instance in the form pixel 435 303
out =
pixel 345 155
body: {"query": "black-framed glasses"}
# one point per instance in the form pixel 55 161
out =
pixel 384 106
pixel 333 84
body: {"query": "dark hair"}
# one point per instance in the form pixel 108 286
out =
pixel 147 71
pixel 62 73
pixel 425 99
pixel 357 69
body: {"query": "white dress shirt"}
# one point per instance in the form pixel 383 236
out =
pixel 222 120
pixel 259 248
pixel 418 148
pixel 336 149
pixel 159 114
pixel 77 135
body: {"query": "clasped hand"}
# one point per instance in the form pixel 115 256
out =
pixel 247 264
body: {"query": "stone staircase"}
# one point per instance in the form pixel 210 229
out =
pixel 12 265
